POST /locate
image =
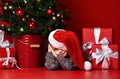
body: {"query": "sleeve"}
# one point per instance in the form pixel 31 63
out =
pixel 51 62
pixel 66 63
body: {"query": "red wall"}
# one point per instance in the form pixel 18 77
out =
pixel 94 13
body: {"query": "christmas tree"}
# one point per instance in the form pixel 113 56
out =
pixel 19 17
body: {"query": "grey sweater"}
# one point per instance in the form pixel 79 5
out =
pixel 53 63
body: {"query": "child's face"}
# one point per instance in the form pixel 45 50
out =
pixel 59 51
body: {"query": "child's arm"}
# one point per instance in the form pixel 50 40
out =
pixel 50 62
pixel 66 63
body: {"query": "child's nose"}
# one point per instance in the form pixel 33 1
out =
pixel 60 51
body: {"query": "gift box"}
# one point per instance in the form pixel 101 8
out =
pixel 7 58
pixel 105 57
pixel 96 35
pixel 7 51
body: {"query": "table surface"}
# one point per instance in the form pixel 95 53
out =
pixel 42 73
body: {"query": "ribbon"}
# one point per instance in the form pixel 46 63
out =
pixel 3 43
pixel 6 60
pixel 104 56
pixel 9 59
pixel 97 32
pixel 6 44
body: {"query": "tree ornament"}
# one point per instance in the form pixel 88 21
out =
pixel 32 25
pixel 49 11
pixel 19 11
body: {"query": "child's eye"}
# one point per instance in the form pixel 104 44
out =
pixel 55 49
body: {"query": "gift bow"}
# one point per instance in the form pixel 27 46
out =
pixel 104 41
pixel 6 44
pixel 9 59
pixel 3 43
pixel 104 56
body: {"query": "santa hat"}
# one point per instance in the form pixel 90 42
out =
pixel 67 40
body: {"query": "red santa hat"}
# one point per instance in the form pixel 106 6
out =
pixel 67 40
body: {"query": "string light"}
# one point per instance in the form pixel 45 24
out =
pixel 10 7
pixel 21 29
pixel 54 18
pixel 58 15
pixel 5 7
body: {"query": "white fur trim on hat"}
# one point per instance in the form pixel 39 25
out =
pixel 87 65
pixel 54 42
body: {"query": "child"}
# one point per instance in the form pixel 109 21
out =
pixel 64 52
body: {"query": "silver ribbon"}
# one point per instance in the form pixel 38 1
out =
pixel 104 56
pixel 3 43
pixel 6 44
pixel 97 32
pixel 8 59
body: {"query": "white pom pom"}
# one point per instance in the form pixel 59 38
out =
pixel 87 65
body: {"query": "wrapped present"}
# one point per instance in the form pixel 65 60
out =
pixel 7 52
pixel 105 56
pixel 95 36
pixel 7 58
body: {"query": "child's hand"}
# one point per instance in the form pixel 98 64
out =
pixel 51 50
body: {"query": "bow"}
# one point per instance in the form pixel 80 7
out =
pixel 5 43
pixel 9 59
pixel 104 56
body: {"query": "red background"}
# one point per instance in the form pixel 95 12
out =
pixel 94 13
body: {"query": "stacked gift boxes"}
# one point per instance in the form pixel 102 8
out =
pixel 7 51
pixel 99 49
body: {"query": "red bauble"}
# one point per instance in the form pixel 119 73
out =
pixel 49 11
pixel 32 25
pixel 4 23
pixel 19 11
